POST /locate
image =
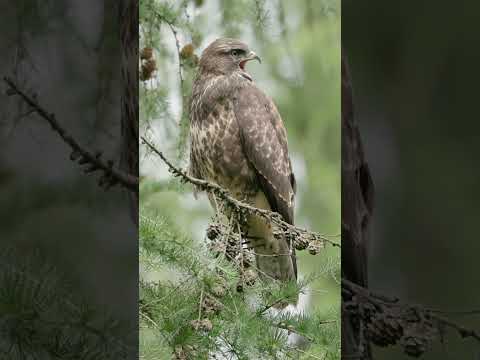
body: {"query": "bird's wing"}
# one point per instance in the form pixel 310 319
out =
pixel 264 141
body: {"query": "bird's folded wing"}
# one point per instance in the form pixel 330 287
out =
pixel 264 142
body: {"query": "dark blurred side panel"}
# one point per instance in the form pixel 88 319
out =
pixel 415 73
pixel 68 180
pixel 357 208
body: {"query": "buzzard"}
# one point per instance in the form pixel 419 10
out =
pixel 239 142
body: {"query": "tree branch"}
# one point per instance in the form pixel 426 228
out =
pixel 171 25
pixel 302 239
pixel 177 44
pixel 111 176
pixel 387 321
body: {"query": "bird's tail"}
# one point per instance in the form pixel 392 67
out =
pixel 275 260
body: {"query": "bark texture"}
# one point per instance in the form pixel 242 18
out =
pixel 128 16
pixel 357 207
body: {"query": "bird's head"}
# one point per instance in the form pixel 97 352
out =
pixel 226 56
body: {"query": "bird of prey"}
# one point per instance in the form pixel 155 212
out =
pixel 239 142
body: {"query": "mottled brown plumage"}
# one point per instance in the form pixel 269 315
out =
pixel 238 141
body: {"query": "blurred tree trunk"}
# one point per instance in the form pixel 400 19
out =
pixel 128 16
pixel 357 206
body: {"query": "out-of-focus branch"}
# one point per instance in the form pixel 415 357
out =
pixel 302 239
pixel 111 176
pixel 174 31
pixel 357 210
pixel 385 321
pixel 177 44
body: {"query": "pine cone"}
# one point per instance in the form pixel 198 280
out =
pixel 213 231
pixel 146 53
pixel 413 346
pixel 203 324
pixel 210 306
pixel 187 51
pixel 147 70
pixel 384 330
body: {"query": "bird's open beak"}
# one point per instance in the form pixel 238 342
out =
pixel 252 56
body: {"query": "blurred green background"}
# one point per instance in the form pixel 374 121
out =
pixel 299 43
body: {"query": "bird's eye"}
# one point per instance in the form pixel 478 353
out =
pixel 236 52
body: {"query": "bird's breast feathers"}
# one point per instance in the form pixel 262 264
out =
pixel 237 135
pixel 217 149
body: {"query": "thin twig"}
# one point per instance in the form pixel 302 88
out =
pixel 292 329
pixel 455 312
pixel 149 319
pixel 462 331
pixel 177 44
pixel 174 31
pixel 269 306
pixel 200 305
pixel 310 355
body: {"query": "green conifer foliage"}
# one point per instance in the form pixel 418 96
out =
pixel 196 303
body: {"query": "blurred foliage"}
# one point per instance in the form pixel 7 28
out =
pixel 60 276
pixel 40 319
pixel 299 43
pixel 415 82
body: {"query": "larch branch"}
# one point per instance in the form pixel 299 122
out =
pixel 302 239
pixel 387 321
pixel 111 176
